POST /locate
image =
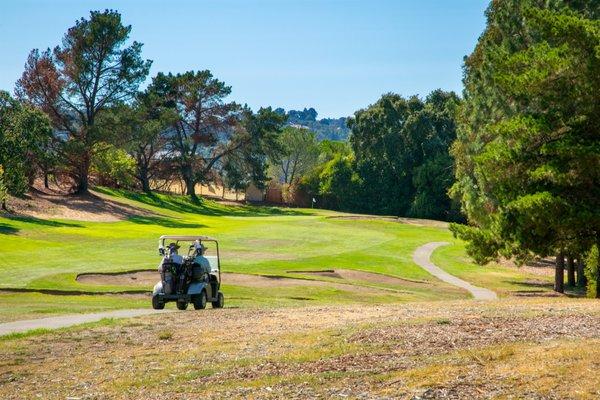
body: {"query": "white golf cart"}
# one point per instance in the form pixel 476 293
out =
pixel 191 278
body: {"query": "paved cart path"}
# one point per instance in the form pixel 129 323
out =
pixel 63 321
pixel 422 256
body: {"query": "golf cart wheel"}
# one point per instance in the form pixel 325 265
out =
pixel 182 305
pixel 220 301
pixel 156 303
pixel 200 301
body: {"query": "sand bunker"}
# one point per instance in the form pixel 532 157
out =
pixel 134 278
pixel 147 279
pixel 354 275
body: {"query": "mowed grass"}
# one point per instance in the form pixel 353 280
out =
pixel 19 306
pixel 47 255
pixel 252 240
pixel 502 279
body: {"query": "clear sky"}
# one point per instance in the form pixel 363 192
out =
pixel 336 56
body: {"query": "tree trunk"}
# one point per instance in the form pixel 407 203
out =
pixel 223 194
pixel 570 271
pixel 146 185
pixel 143 178
pixel 83 170
pixel 82 184
pixel 559 273
pixel 581 279
pixel 31 177
pixel 46 183
pixel 190 188
pixel 597 294
pixel 190 183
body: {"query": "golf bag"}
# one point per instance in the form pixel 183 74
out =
pixel 167 271
pixel 183 275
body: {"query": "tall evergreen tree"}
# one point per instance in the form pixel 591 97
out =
pixel 205 125
pixel 92 70
pixel 528 148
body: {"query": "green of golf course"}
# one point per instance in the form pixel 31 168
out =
pixel 41 258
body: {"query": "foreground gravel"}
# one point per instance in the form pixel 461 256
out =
pixel 523 348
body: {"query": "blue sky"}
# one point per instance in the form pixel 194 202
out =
pixel 335 56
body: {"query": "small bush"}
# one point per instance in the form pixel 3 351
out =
pixel 165 335
pixel 113 166
pixel 592 269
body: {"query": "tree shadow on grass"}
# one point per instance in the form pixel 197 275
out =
pixel 184 204
pixel 6 229
pixel 532 284
pixel 162 221
pixel 43 222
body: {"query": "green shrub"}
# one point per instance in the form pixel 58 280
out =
pixel 165 335
pixel 592 270
pixel 113 166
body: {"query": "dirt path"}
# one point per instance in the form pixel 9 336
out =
pixel 421 257
pixel 64 321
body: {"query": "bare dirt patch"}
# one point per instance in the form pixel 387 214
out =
pixel 423 222
pixel 540 266
pixel 87 207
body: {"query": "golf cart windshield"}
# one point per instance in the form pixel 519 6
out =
pixel 211 252
pixel 175 238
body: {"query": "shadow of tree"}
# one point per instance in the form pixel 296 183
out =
pixel 162 221
pixel 6 229
pixel 43 222
pixel 184 204
pixel 532 284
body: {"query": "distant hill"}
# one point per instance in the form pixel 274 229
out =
pixel 325 128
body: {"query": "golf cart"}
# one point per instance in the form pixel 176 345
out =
pixel 193 278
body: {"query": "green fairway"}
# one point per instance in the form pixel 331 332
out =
pixel 503 280
pixel 48 254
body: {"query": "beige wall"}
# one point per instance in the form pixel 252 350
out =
pixel 254 194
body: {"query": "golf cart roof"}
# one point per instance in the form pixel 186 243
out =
pixel 191 238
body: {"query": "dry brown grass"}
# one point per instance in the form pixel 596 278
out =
pixel 519 348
